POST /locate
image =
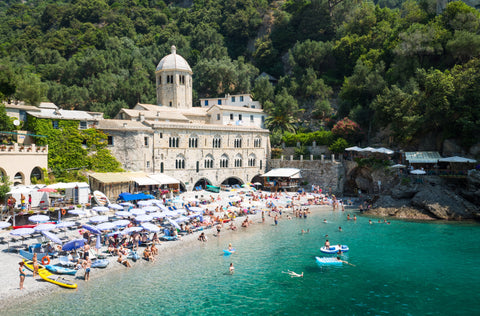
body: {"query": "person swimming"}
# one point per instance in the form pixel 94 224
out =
pixel 293 274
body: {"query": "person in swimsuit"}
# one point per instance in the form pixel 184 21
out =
pixel 35 265
pixel 87 264
pixel 231 269
pixel 21 270
pixel 327 244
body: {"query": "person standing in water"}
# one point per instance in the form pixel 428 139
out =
pixel 276 220
pixel 231 269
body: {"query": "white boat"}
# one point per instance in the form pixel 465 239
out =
pixel 334 249
pixel 100 198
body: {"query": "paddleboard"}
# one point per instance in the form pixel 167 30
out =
pixel 56 279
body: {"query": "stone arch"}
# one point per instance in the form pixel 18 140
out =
pixel 36 174
pixel 232 181
pixel 19 178
pixel 202 182
pixel 258 178
pixel 3 173
pixel 360 178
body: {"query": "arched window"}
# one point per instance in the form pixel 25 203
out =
pixel 238 160
pixel 224 161
pixel 180 162
pixel 257 142
pixel 208 162
pixel 252 160
pixel 193 141
pixel 217 142
pixel 237 143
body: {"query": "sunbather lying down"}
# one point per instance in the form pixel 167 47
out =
pixel 124 261
pixel 293 274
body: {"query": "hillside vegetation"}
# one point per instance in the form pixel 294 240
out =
pixel 404 71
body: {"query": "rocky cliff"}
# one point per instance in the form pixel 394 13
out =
pixel 432 198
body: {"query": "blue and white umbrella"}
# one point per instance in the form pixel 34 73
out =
pixel 52 237
pixel 157 215
pixel 92 229
pixel 44 227
pixel 143 218
pixel 74 244
pixel 5 225
pixel 194 215
pixel 196 209
pixel 101 209
pixel 117 207
pixel 174 224
pixel 22 232
pixel 77 212
pixel 151 227
pixel 182 219
pixel 98 219
pixel 150 209
pixel 106 226
pixel 137 211
pixel 126 204
pixel 121 223
pixel 133 229
pixel 65 224
pixel 39 218
pixel 123 214
pixel 163 208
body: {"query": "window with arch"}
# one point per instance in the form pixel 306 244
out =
pixel 180 162
pixel 173 141
pixel 237 142
pixel 224 161
pixel 217 142
pixel 182 79
pixel 193 141
pixel 257 142
pixel 252 160
pixel 170 79
pixel 238 161
pixel 208 162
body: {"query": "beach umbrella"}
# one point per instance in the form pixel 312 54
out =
pixel 398 166
pixel 52 237
pixel 196 209
pixel 143 218
pixel 114 233
pixel 38 218
pixel 145 203
pixel 163 208
pixel 150 209
pixel 194 215
pixel 74 244
pixel 354 148
pixel 98 219
pixel 173 223
pixel 182 219
pixel 157 215
pixel 117 207
pixel 137 211
pixel 44 227
pixel 384 150
pixel 77 212
pixel 151 227
pixel 418 171
pixel 106 226
pixel 92 229
pixel 98 243
pixel 100 209
pixel 22 231
pixel 121 223
pixel 65 224
pixel 126 204
pixel 123 214
pixel 5 225
pixel 257 183
pixel 133 229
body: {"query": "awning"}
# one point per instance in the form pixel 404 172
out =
pixel 457 159
pixel 146 181
pixel 422 157
pixel 163 179
pixel 293 173
pixel 134 197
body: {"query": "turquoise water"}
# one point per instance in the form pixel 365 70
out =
pixel 406 268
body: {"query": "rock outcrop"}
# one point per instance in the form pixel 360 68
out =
pixel 435 198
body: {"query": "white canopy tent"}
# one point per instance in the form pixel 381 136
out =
pixel 163 179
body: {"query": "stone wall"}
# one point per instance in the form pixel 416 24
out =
pixel 327 173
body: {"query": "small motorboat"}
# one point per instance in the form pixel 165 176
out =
pixel 328 261
pixel 334 249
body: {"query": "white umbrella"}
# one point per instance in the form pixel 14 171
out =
pixel 151 227
pixel 52 237
pixel 369 149
pixel 123 213
pixel 121 223
pixel 133 229
pixel 196 209
pixel 257 183
pixel 384 150
pixel 175 224
pixel 150 209
pixel 143 218
pixel 65 224
pixel 398 166
pixel 39 218
pixel 98 219
pixel 106 226
pixel 101 209
pixel 77 212
pixel 354 148
pixel 5 225
pixel 163 208
pixel 117 207
pixel 418 171
pixel 145 203
pixel 22 231
pixel 182 219
pixel 126 204
pixel 44 227
pixel 158 215
pixel 137 211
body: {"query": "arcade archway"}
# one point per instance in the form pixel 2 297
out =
pixel 201 184
pixel 18 179
pixel 36 175
pixel 232 181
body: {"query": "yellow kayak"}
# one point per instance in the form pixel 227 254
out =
pixel 50 277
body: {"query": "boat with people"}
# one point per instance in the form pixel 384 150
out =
pixel 334 249
pixel 328 261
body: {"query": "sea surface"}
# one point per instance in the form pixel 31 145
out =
pixel 402 268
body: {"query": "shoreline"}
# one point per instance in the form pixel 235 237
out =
pixel 10 294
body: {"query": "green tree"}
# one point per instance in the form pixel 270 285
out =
pixel 263 90
pixel 282 116
pixel 338 146
pixel 6 123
